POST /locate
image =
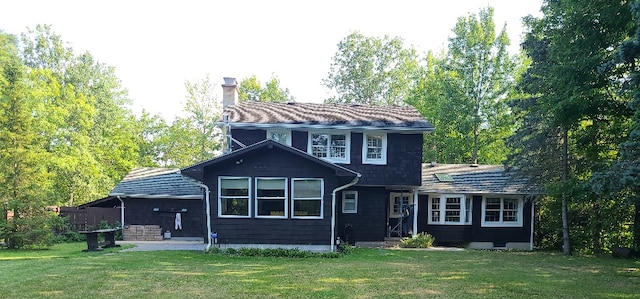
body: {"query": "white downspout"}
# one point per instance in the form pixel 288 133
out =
pixel 533 206
pixel 121 212
pixel 415 212
pixel 208 212
pixel 333 210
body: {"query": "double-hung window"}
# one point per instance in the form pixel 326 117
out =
pixel 282 136
pixel 233 200
pixel 333 147
pixel 307 199
pixel 349 202
pixel 449 209
pixel 374 148
pixel 271 197
pixel 498 211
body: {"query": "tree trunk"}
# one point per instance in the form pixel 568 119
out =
pixel 636 225
pixel 566 245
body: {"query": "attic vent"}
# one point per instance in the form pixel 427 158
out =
pixel 444 177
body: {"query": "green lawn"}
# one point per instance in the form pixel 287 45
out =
pixel 65 272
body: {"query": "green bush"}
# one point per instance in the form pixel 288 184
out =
pixel 28 232
pixel 274 252
pixel 63 233
pixel 422 240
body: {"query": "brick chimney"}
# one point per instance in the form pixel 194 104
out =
pixel 229 92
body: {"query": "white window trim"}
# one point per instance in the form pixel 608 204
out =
pixel 249 201
pixel 347 134
pixel 443 209
pixel 293 199
pixel 381 161
pixel 288 132
pixel 285 199
pixel 344 195
pixel 501 223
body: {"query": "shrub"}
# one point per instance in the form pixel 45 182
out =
pixel 422 240
pixel 29 232
pixel 274 252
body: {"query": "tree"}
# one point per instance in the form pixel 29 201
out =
pixel 81 109
pixel 464 92
pixel 622 179
pixel 573 118
pixel 484 71
pixel 203 111
pixel 250 89
pixel 21 157
pixel 371 70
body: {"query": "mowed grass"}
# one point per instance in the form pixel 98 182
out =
pixel 65 272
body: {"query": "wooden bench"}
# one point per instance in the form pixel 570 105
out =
pixel 92 239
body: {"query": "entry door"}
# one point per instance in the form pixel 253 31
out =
pixel 399 204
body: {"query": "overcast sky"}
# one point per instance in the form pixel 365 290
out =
pixel 155 46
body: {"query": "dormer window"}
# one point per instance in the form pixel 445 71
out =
pixel 374 148
pixel 282 136
pixel 333 147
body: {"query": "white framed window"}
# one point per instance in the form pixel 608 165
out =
pixel 233 197
pixel 374 148
pixel 307 200
pixel 399 203
pixel 350 202
pixel 282 136
pixel 271 198
pixel 331 146
pixel 450 209
pixel 499 211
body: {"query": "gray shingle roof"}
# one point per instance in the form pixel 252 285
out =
pixel 480 179
pixel 310 115
pixel 157 183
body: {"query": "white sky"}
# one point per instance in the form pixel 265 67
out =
pixel 155 46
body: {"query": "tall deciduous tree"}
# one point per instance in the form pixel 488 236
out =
pixel 203 111
pixel 21 155
pixel 464 92
pixel 484 71
pixel 371 70
pixel 250 89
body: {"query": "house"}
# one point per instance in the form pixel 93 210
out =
pixel 157 200
pixel 303 175
pixel 308 176
pixel 477 206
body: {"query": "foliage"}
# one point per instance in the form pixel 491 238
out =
pixel 573 115
pixel 274 252
pixel 371 70
pixel 421 240
pixel 464 93
pixel 30 230
pixel 63 232
pixel 250 89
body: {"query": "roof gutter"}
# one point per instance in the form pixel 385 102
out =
pixel 333 209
